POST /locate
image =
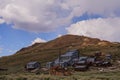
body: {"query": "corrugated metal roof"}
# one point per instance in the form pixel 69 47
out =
pixel 70 53
pixel 33 62
pixel 83 57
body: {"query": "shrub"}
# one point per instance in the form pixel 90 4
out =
pixel 21 78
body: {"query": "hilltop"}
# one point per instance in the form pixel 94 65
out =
pixel 44 52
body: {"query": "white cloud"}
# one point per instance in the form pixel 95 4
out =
pixel 103 28
pixel 1 21
pixel 59 35
pixel 38 40
pixel 46 15
pixel 12 51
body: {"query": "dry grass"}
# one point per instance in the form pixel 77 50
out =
pixel 76 76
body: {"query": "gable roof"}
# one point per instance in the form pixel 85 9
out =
pixel 69 53
pixel 33 62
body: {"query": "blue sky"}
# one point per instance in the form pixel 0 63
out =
pixel 23 23
pixel 11 40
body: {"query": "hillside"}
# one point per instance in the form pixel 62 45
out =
pixel 44 52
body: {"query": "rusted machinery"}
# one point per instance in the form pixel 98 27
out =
pixel 60 71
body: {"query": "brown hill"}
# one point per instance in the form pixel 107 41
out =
pixel 66 41
pixel 44 52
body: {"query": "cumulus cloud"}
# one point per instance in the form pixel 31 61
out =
pixel 59 35
pixel 38 40
pixel 40 16
pixel 47 15
pixel 12 51
pixel 103 28
pixel 1 21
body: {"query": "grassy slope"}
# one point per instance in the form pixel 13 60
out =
pixel 76 76
pixel 49 51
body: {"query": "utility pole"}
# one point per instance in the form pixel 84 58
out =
pixel 59 55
